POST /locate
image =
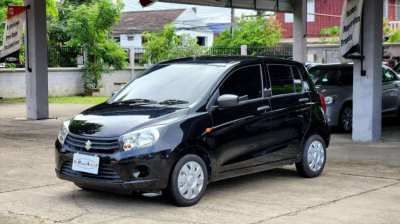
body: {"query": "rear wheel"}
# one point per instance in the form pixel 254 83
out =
pixel 188 181
pixel 314 157
pixel 346 118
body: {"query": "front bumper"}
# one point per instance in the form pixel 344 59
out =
pixel 116 171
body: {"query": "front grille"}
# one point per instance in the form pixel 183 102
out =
pixel 106 172
pixel 98 145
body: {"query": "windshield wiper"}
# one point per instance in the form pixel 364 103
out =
pixel 136 100
pixel 173 102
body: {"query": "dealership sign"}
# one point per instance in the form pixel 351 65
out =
pixel 14 29
pixel 351 23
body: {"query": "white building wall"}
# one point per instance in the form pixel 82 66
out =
pixel 62 81
pixel 126 42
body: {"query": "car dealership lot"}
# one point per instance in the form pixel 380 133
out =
pixel 361 184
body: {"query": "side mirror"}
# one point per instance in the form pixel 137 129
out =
pixel 228 100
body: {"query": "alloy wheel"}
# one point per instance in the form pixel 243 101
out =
pixel 316 156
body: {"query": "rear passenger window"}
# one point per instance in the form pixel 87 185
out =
pixel 298 80
pixel 281 79
pixel 245 83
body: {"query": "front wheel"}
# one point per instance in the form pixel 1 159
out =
pixel 314 157
pixel 188 181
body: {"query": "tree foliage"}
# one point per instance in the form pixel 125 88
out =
pixel 253 31
pixel 391 35
pixel 89 27
pixel 167 45
pixel 330 34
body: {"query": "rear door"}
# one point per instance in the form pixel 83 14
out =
pixel 290 104
pixel 239 137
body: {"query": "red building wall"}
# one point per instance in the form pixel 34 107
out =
pixel 325 7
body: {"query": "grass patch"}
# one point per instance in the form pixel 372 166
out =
pixel 62 100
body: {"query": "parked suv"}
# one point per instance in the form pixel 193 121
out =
pixel 335 82
pixel 192 121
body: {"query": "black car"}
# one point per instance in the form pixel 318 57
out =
pixel 192 121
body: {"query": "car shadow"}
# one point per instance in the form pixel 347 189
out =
pixel 81 197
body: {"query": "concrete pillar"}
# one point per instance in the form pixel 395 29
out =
pixel 300 31
pixel 367 90
pixel 36 61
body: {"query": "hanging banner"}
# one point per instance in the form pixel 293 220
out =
pixel 13 34
pixel 351 23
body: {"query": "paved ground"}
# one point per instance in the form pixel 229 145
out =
pixel 361 184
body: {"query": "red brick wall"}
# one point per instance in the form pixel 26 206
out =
pixel 330 7
pixel 392 10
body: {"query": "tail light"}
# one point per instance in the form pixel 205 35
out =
pixel 323 103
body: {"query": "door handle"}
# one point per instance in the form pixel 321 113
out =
pixel 263 108
pixel 302 100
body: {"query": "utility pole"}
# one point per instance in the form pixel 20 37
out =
pixel 232 20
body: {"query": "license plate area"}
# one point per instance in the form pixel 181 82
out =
pixel 85 163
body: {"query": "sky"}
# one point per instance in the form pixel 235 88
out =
pixel 211 14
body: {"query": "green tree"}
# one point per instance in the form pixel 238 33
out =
pixel 90 26
pixel 391 35
pixel 167 45
pixel 253 31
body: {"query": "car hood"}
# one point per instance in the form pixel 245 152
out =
pixel 113 120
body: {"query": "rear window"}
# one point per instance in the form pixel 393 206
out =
pixel 334 76
pixel 281 79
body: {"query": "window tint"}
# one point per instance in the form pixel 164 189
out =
pixel 388 75
pixel 245 82
pixel 300 82
pixel 346 76
pixel 334 76
pixel 281 79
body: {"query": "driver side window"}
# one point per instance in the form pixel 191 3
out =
pixel 245 82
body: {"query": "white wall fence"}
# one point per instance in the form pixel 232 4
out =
pixel 62 81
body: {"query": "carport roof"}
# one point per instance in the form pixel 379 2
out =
pixel 266 5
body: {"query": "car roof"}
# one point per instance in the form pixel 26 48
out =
pixel 336 65
pixel 231 59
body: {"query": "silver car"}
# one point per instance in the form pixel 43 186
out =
pixel 335 83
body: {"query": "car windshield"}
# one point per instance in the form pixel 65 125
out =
pixel 171 84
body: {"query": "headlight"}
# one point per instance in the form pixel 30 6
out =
pixel 141 138
pixel 329 100
pixel 62 134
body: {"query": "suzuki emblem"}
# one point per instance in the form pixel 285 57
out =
pixel 88 145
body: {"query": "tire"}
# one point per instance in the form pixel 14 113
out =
pixel 305 167
pixel 196 182
pixel 346 119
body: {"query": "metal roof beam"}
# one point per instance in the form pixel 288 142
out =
pixel 266 5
